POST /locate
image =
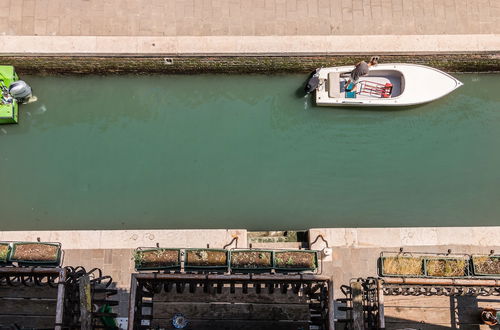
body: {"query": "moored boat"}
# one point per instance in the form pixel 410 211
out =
pixel 384 85
pixel 13 92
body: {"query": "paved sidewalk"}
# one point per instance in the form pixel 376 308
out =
pixel 247 17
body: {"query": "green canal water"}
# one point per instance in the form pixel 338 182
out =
pixel 215 151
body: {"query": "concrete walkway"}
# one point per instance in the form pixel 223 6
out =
pixel 122 27
pixel 247 17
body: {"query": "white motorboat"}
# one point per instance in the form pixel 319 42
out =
pixel 385 85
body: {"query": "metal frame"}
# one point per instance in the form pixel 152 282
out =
pixel 220 269
pixel 317 288
pixel 473 265
pixel 177 267
pixel 67 282
pixel 365 296
pixel 31 276
pixel 425 258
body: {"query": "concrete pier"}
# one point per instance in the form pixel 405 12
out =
pixel 355 251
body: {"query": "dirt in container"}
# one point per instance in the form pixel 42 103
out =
pixel 446 267
pixel 204 257
pixel 35 252
pixel 402 266
pixel 487 265
pixel 4 251
pixel 157 258
pixel 251 259
pixel 295 259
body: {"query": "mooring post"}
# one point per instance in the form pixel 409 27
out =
pixel 331 305
pixel 85 303
pixel 60 299
pixel 380 296
pixel 132 302
pixel 358 322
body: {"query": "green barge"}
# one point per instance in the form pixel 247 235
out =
pixel 13 92
pixel 9 109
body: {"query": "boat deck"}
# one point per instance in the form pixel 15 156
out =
pixel 382 80
pixel 365 85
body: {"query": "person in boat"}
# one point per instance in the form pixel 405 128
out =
pixel 360 70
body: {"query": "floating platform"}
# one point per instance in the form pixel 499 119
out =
pixel 9 112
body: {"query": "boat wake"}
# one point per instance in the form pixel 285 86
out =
pixel 42 109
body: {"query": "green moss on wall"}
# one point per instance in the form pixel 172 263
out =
pixel 234 64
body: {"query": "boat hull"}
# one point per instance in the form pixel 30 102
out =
pixel 411 84
pixel 9 113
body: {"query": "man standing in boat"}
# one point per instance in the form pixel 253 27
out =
pixel 360 70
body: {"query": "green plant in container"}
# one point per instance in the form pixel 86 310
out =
pixel 157 259
pixel 446 267
pixel 4 252
pixel 295 260
pixel 486 265
pixel 402 266
pixel 39 253
pixel 206 259
pixel 251 260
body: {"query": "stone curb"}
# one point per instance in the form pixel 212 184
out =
pixel 406 237
pixel 131 239
pixel 248 45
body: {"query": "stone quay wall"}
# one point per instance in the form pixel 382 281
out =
pixel 57 64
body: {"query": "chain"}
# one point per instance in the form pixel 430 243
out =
pixel 422 290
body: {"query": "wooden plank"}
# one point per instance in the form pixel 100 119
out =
pixel 418 314
pixel 28 292
pixel 460 310
pixel 415 301
pixel 226 296
pixel 61 291
pixel 132 301
pixel 331 306
pixel 381 304
pixel 415 325
pixel 27 321
pixel 85 303
pixel 425 326
pixel 441 301
pixel 42 307
pixel 240 311
pixel 234 324
pixel 358 322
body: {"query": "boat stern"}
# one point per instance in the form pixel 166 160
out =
pixel 9 113
pixel 9 107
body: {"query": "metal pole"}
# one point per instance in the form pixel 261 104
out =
pixel 238 277
pixel 30 270
pixel 380 296
pixel 444 281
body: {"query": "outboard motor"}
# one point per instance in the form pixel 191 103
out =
pixel 312 83
pixel 21 91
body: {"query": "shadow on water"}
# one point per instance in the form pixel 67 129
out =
pixel 299 92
